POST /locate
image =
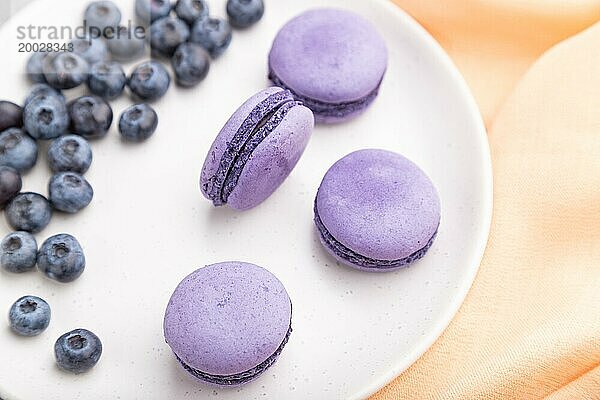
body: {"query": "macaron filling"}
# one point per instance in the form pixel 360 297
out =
pixel 345 253
pixel 261 121
pixel 242 377
pixel 325 109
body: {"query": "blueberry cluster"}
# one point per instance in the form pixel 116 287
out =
pixel 46 115
pixel 61 258
pixel 183 32
pixel 76 351
pixel 187 34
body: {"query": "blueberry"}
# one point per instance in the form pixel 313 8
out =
pixel 65 70
pixel 100 16
pixel 43 90
pixel 138 123
pixel 125 44
pixel 70 153
pixel 191 64
pixel 29 316
pixel 11 115
pixel 92 49
pixel 149 81
pixel 34 67
pixel 10 184
pixel 19 252
pixel 244 13
pixel 213 34
pixel 78 351
pixel 69 192
pixel 166 34
pixel 107 80
pixel 46 117
pixel 151 10
pixel 29 212
pixel 191 10
pixel 17 150
pixel 61 258
pixel 91 116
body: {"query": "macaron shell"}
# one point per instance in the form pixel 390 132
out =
pixel 227 318
pixel 379 204
pixel 330 55
pixel 273 160
pixel 221 142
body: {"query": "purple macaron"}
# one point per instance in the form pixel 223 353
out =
pixel 332 60
pixel 228 322
pixel 376 211
pixel 256 149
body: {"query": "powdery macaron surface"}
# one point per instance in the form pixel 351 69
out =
pixel 376 210
pixel 256 150
pixel 228 322
pixel 331 59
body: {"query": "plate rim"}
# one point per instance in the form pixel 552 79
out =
pixel 486 208
pixel 398 13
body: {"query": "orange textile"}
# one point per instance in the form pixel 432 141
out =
pixel 494 42
pixel 530 326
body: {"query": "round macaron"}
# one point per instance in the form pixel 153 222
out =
pixel 228 322
pixel 256 150
pixel 376 211
pixel 332 60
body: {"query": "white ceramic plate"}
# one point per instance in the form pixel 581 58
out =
pixel 148 227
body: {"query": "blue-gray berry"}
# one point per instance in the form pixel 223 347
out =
pixel 92 49
pixel 30 212
pixel 214 34
pixel 244 13
pixel 191 64
pixel 166 34
pixel 101 16
pixel 29 316
pixel 77 351
pixel 35 64
pixel 191 10
pixel 107 80
pixel 43 90
pixel 65 70
pixel 61 258
pixel 126 44
pixel 17 150
pixel 70 153
pixel 10 184
pixel 69 192
pixel 138 123
pixel 46 117
pixel 18 252
pixel 11 115
pixel 149 11
pixel 90 116
pixel 149 81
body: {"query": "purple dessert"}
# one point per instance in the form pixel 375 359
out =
pixel 332 60
pixel 256 149
pixel 376 211
pixel 228 322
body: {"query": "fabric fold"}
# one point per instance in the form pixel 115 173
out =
pixel 494 42
pixel 530 326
